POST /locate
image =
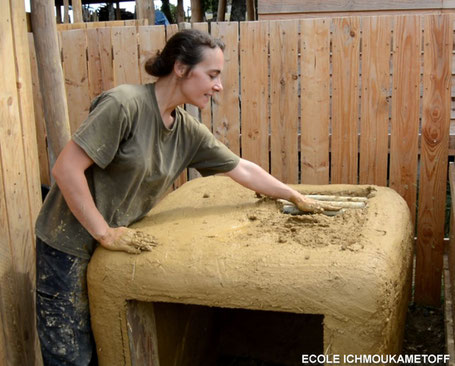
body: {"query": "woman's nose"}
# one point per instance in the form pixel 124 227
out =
pixel 218 86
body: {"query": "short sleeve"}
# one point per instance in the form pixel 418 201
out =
pixel 212 156
pixel 101 133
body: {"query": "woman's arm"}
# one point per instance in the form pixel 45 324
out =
pixel 69 173
pixel 252 176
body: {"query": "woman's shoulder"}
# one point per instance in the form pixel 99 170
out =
pixel 127 92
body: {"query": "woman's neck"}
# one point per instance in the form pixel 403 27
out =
pixel 168 96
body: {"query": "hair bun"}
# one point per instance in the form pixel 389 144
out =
pixel 185 46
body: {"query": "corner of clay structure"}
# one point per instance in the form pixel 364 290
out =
pixel 108 311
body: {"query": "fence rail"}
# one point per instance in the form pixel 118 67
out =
pixel 330 100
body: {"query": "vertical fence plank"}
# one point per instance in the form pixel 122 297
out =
pixel 405 108
pixel 451 247
pixel 17 243
pixel 74 45
pixel 226 109
pixel 151 40
pixel 374 126
pixel 124 48
pixel 254 92
pixel 315 100
pixel 171 29
pixel 32 179
pixel 3 345
pixel 95 76
pixel 284 101
pixel 40 126
pixel 25 93
pixel 345 99
pixel 107 66
pixel 206 113
pixel 438 44
pixel 7 281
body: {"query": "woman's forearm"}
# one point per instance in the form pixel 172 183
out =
pixel 77 195
pixel 252 176
pixel 69 175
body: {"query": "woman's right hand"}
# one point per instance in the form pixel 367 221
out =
pixel 127 240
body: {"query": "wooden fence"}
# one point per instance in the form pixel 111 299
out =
pixel 332 100
pixel 20 195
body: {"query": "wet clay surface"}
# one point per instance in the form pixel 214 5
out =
pixel 309 230
pixel 260 219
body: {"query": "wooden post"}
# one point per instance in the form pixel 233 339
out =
pixel 180 12
pixel 221 11
pixel 51 77
pixel 196 11
pixel 250 10
pixel 58 13
pixel 145 9
pixel 77 11
pixel 118 13
pixel 66 14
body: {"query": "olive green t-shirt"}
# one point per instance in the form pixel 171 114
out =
pixel 136 159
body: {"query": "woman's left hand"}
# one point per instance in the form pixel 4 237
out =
pixel 127 240
pixel 306 204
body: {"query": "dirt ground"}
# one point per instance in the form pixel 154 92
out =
pixel 424 332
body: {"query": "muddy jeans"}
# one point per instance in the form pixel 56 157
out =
pixel 63 317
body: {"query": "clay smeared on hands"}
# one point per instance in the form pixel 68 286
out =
pixel 144 241
pixel 309 205
pixel 128 240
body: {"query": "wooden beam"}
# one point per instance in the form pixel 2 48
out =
pixel 297 6
pixel 40 125
pixel 51 77
pixel 77 11
pixel 250 10
pixel 118 13
pixel 180 12
pixel 196 11
pixel 66 14
pixel 58 14
pixel 145 9
pixel 221 10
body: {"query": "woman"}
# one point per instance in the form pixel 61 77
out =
pixel 123 158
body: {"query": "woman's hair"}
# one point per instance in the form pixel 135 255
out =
pixel 185 46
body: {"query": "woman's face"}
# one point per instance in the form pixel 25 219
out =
pixel 204 79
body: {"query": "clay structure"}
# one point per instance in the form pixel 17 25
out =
pixel 219 245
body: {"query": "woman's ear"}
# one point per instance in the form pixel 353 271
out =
pixel 180 69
